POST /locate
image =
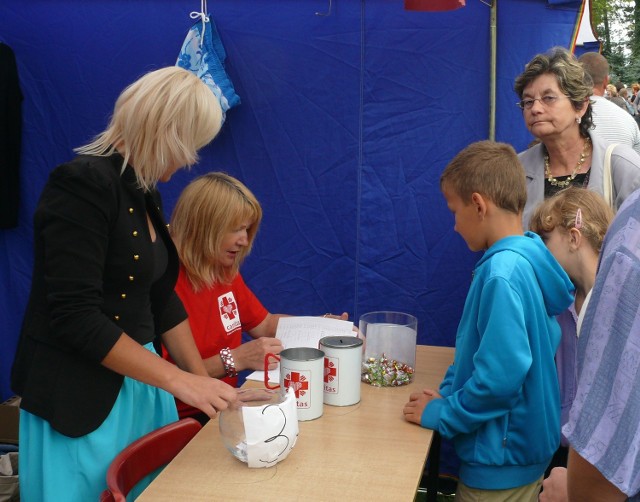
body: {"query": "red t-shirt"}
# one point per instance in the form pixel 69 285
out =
pixel 217 317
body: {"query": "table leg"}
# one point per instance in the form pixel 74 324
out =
pixel 433 468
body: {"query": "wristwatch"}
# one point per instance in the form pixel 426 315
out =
pixel 228 362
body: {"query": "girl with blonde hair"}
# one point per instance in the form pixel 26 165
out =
pixel 214 225
pixel 572 224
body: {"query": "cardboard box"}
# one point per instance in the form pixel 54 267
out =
pixel 9 420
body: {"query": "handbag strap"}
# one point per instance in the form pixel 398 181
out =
pixel 583 310
pixel 607 177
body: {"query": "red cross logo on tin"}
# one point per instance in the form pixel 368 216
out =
pixel 227 307
pixel 330 370
pixel 297 382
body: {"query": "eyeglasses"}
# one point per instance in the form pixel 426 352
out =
pixel 527 104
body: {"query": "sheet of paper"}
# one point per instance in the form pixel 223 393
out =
pixel 304 331
pixel 271 431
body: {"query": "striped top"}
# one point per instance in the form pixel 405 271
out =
pixel 604 422
pixel 614 124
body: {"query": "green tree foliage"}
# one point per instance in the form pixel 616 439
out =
pixel 633 66
pixel 617 26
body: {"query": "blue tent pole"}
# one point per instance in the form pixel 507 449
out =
pixel 492 76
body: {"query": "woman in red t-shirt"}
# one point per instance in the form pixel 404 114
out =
pixel 213 225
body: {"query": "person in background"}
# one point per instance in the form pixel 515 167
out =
pixel 556 109
pixel 102 291
pixel 214 225
pixel 572 224
pixel 499 399
pixel 635 87
pixel 609 122
pixel 614 97
pixel 624 94
pixel 604 422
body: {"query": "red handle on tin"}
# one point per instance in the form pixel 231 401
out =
pixel 266 371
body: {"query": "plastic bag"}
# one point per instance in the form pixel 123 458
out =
pixel 203 54
pixel 9 485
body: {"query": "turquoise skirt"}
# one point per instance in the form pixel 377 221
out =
pixel 54 467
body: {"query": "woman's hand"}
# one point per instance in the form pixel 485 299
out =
pixel 343 317
pixel 250 355
pixel 209 395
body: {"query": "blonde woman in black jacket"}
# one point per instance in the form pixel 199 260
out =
pixel 102 291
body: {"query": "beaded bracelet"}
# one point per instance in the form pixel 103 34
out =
pixel 228 362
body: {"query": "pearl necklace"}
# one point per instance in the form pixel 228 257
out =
pixel 567 182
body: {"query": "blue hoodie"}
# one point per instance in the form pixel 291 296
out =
pixel 500 399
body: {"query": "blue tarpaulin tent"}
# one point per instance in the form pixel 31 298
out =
pixel 346 122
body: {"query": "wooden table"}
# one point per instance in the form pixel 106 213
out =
pixel 362 452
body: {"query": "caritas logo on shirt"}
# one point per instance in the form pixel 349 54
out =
pixel 229 314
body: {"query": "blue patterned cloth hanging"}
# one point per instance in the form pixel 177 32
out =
pixel 203 54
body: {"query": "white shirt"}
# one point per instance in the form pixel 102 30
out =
pixel 614 124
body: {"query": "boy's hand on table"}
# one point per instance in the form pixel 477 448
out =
pixel 417 403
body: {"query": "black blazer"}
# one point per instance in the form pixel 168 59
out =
pixel 92 277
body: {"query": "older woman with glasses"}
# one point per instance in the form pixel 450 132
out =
pixel 554 98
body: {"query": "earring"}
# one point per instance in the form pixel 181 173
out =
pixel 578 120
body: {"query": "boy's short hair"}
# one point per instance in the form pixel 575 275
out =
pixel 491 169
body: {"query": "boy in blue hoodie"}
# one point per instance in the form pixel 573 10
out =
pixel 499 402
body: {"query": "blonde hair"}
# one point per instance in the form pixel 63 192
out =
pixel 208 208
pixel 613 92
pixel 561 210
pixel 491 169
pixel 160 121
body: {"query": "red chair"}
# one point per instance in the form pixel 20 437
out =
pixel 145 455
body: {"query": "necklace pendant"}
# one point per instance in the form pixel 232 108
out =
pixel 565 183
pixel 559 183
